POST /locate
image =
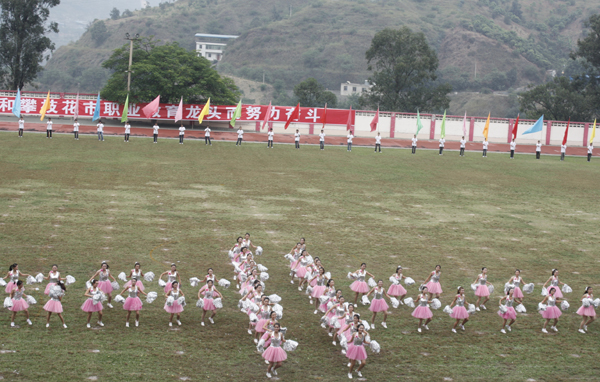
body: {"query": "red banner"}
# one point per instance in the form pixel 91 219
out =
pixel 66 107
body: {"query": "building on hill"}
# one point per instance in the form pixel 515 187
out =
pixel 212 46
pixel 348 88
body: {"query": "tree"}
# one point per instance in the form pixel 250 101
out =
pixel 98 31
pixel 404 73
pixel 311 93
pixel 126 13
pixel 115 14
pixel 589 47
pixel 24 44
pixel 166 70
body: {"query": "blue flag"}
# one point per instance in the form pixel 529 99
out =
pixel 537 127
pixel 17 106
pixel 97 109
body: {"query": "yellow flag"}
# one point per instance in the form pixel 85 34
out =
pixel 593 133
pixel 486 129
pixel 204 111
pixel 45 107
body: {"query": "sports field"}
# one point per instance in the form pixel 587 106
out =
pixel 77 203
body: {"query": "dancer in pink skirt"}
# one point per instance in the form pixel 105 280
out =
pixel 422 311
pixel 209 295
pixel 459 312
pixel 172 276
pixel 138 274
pixel 588 313
pixel 53 278
pixel 263 315
pixel 552 312
pixel 356 350
pixel 433 282
pixel 275 353
pixel 175 308
pixel 103 281
pixel 268 327
pixel 296 254
pixel 360 286
pixel 351 323
pixel 237 247
pixel 210 275
pixel 19 303
pixel 90 306
pixel 247 242
pixel 248 284
pixel 133 302
pixel 54 305
pixel 554 282
pixel 13 276
pixel 510 313
pixel 336 315
pixel 516 282
pixel 378 304
pixel 396 289
pixel 319 287
pixel 300 269
pixel 330 293
pixel 482 290
pixel 255 295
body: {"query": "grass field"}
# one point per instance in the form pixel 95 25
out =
pixel 78 203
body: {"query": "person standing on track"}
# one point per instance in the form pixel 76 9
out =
pixel 378 142
pixel 485 147
pixel 297 138
pixel 240 134
pixel 207 136
pixel 350 136
pixel 181 133
pixel 563 151
pixel 127 131
pixel 100 130
pixel 76 129
pixel 21 126
pixel 155 132
pixel 463 142
pixel 513 146
pixel 270 135
pixel 538 150
pixel 414 144
pixel 322 139
pixel 442 142
pixel 49 128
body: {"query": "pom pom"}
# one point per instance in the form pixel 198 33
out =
pixel 231 254
pixel 290 345
pixel 88 284
pixel 194 281
pixel 308 260
pixel 337 324
pixel 324 299
pixel 55 292
pixel 309 290
pixel 351 276
pixel 253 317
pixel 98 298
pixel 586 302
pixel 471 309
pixel 261 345
pixel 447 309
pixel 253 307
pixel 365 300
pixel 409 302
pixel 242 277
pixel 503 309
pixel 528 288
pixel 31 300
pixel 327 275
pixel 283 331
pixel 564 305
pixel 393 280
pixel 375 348
pixel 323 319
pixel 200 303
pixel 259 251
pixel 264 287
pixel 218 303
pixel 521 309
pixel 115 285
pixel 224 283
pixel 151 297
pixel 409 281
pixel 436 304
pixel 122 277
pixel 395 302
pixel 39 277
pixel 541 307
pixel 181 301
pixel 70 280
pixel 170 300
pixel 31 280
pixel 275 299
pixel 366 324
pixel 566 289
pixel 277 308
pixel 343 342
pixel 2 282
pixel 264 276
pixel 119 298
pixel 596 302
pixel 329 304
pixel 8 303
pixel 544 292
pixel 491 288
pixel 262 268
pixel 372 282
pixel 161 283
pixel 474 287
pixel 289 257
pixel 332 321
pixel 507 286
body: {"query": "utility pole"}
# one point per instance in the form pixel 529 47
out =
pixel 131 40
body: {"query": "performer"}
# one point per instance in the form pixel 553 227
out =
pixel 155 131
pixel 246 242
pixel 553 280
pixel 49 128
pixel 378 304
pixel 551 312
pixel 210 276
pixel 17 296
pixel 538 149
pixel 442 142
pixel 356 350
pixel 240 134
pixel 563 151
pixel 127 131
pixel 255 295
pixel 175 308
pixel 172 275
pixel 270 135
pixel 463 143
pixel 485 148
pixel 103 283
pixel 22 126
pixel 13 276
pixel 587 313
pixel 422 311
pixel 350 136
pixel 53 278
pixel 459 312
pixel 133 302
pixel 510 313
pixel 330 292
pixel 360 286
pixel 207 136
pixel 181 133
pixel 263 315
pixel 378 142
pixel 336 314
pixel 414 144
pixel 89 306
pixel 322 139
pixel 76 129
pixel 396 289
pixel 433 282
pixel 516 282
pixel 138 274
pixel 513 146
pixel 297 138
pixel 482 289
pixel 590 151
pixel 209 294
pixel 54 305
pixel 319 288
pixel 100 130
pixel 299 269
pixel 275 353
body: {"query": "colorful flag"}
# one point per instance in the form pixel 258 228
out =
pixel 443 130
pixel 324 117
pixel 268 117
pixel 514 132
pixel 349 122
pixel 179 113
pixel 295 115
pixel 125 110
pixel 593 133
pixel 204 112
pixel 151 109
pixel 375 120
pixel 419 124
pixel 564 142
pixel 237 113
pixel 486 128
pixel 17 106
pixel 97 109
pixel 76 113
pixel 536 126
pixel 45 107
pixel 465 124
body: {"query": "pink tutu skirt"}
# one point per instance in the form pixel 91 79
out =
pixel 422 312
pixel 50 285
pixel 588 311
pixel 551 312
pixel 356 352
pixel 318 291
pixel 53 306
pixel 314 283
pixel 139 284
pixel 518 293
pixel 378 305
pixel 175 308
pixel 19 305
pixel 105 286
pixel 301 272
pixel 396 290
pixel 208 304
pixel 132 304
pixel 557 292
pixel 267 339
pixel 360 287
pixel 168 287
pixel 459 313
pixel 260 325
pixel 435 288
pixel 482 291
pixel 293 264
pixel 88 306
pixel 274 354
pixel 510 314
pixel 10 286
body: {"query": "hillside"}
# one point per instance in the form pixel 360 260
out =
pixel 496 44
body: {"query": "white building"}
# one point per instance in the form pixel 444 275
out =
pixel 348 88
pixel 212 46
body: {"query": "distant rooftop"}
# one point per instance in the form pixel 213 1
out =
pixel 223 36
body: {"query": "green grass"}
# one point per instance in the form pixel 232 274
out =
pixel 78 203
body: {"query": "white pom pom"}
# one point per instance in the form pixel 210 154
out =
pixel 98 298
pixel 39 277
pixel 596 302
pixel 351 276
pixel 395 302
pixel 161 283
pixel 471 309
pixel 564 305
pixel 343 342
pixel 261 345
pixel 2 282
pixel 194 281
pixel 31 280
pixel 259 251
pixel 262 284
pixel 586 302
pixel 371 282
pixel 529 288
pixel 122 277
pixel 181 301
pixel 309 290
pixel 365 300
pixel 224 283
pixel 200 303
pixel 409 281
pixel 231 254
pixel 507 286
pixel 170 300
pixel 544 292
pixel 277 308
pixel 290 345
pixel 31 300
pixel 375 348
pixel 491 288
pixel 262 268
pixel 151 297
pixel 393 280
pixel 119 298
pixel 521 309
pixel 308 260
pixel 323 299
pixel 264 276
pixel 327 275
pixel 366 324
pixel 8 303
pixel 323 319
pixel 253 317
pixel 115 285
pixel 289 257
pixel 542 307
pixel 218 303
pixel 332 321
pixel 149 276
pixel 474 286
pixel 253 307
pixel 243 277
pixel 70 280
pixel 436 304
pixel 55 292
pixel 503 309
pixel 409 302
pixel 566 289
pixel 88 284
pixel 329 304
pixel 447 309
pixel 275 299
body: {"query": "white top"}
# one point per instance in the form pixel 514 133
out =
pixel 563 148
pixel 462 143
pixel 485 145
pixel 99 128
pixel 350 136
pixel 207 132
pixel 270 134
pixel 240 133
pixel 155 129
pixel 297 137
pixel 49 125
pixel 414 141
pixel 21 124
pixel 378 140
pixel 513 145
pixel 538 147
pixel 181 130
pixel 590 149
pixel 442 141
pixel 76 126
pixel 127 127
pixel 322 137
